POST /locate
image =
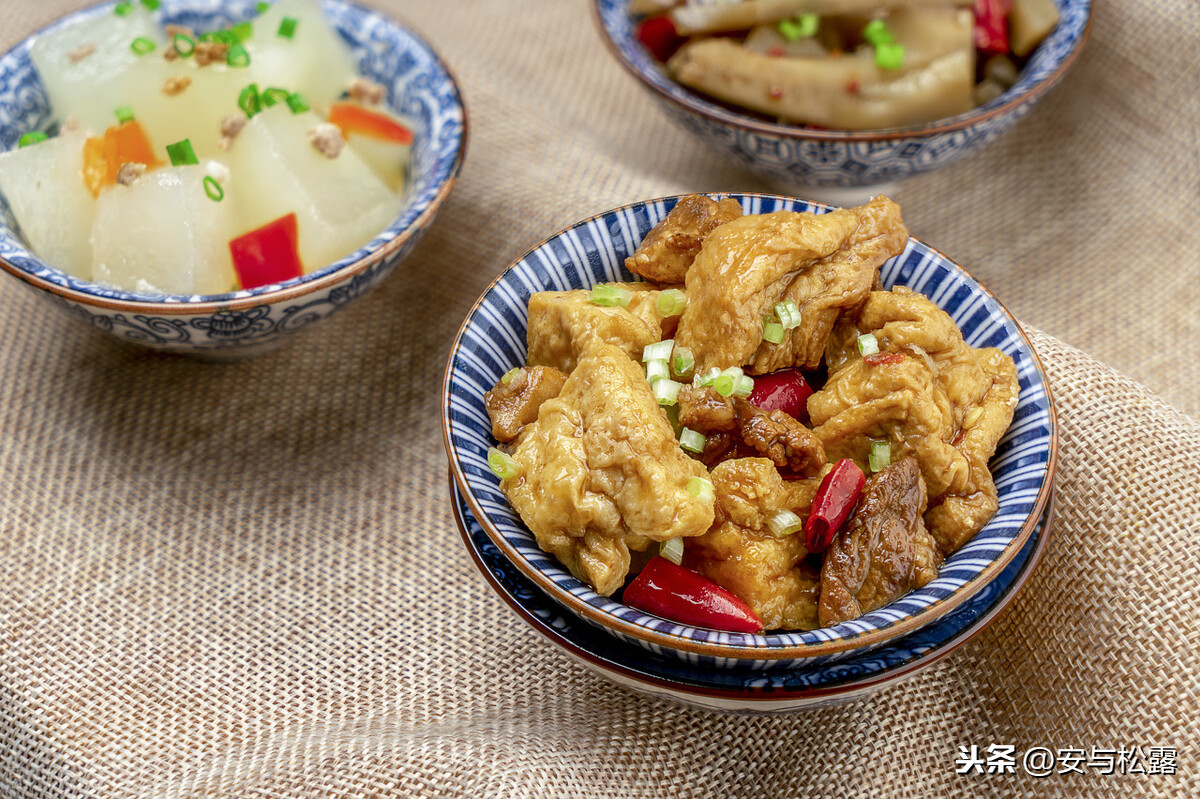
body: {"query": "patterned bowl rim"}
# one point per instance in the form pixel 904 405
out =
pixel 767 651
pixel 758 695
pixel 688 101
pixel 324 278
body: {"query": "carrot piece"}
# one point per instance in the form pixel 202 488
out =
pixel 352 118
pixel 122 144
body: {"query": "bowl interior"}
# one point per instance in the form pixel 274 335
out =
pixel 620 28
pixel 492 341
pixel 419 86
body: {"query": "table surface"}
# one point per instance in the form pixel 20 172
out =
pixel 244 580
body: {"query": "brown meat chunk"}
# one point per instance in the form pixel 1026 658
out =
pixel 515 405
pixel 601 472
pixel 563 325
pixel 670 247
pixel 776 435
pixel 740 552
pixel 884 551
pixel 928 393
pixel 822 262
pixel 705 411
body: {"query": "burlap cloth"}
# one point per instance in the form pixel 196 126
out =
pixel 244 580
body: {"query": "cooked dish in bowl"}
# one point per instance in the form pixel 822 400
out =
pixel 846 64
pixel 678 413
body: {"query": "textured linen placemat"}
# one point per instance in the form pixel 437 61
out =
pixel 244 580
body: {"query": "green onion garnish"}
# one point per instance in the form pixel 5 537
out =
pixel 297 103
pixel 877 32
pixel 659 351
pixel 274 95
pixel 287 27
pixel 262 6
pixel 784 523
pixel 152 4
pixel 706 378
pixel 772 330
pixel 727 381
pixel 213 189
pixel 657 370
pixel 504 466
pixel 124 114
pixel 610 296
pixel 221 37
pixel 243 30
pixel 672 550
pixel 743 386
pixel 32 137
pixel 182 154
pixel 508 376
pixel 683 362
pixel 801 27
pixel 788 313
pixel 700 488
pixel 184 45
pixel 868 344
pixel 237 56
pixel 880 457
pixel 249 100
pixel 122 9
pixel 141 45
pixel 666 391
pixel 671 302
pixel 691 441
pixel 889 55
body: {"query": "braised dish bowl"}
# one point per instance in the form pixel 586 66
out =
pixel 419 85
pixel 795 155
pixel 492 340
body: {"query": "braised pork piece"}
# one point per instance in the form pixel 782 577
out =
pixel 617 437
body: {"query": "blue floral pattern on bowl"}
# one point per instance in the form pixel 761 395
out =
pixel 845 159
pixel 492 341
pixel 419 85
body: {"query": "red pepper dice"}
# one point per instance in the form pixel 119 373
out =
pixel 682 595
pixel 991 25
pixel 269 254
pixel 785 390
pixel 836 497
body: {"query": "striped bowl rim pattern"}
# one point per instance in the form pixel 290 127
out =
pixel 492 340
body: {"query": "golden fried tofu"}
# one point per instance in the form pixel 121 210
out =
pixel 563 325
pixel 601 472
pixel 670 247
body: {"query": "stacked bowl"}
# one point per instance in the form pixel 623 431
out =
pixel 777 671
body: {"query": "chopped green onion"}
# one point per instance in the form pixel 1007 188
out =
pixel 657 370
pixel 249 100
pixel 237 56
pixel 788 313
pixel 743 386
pixel 297 103
pixel 658 351
pixel 32 137
pixel 700 488
pixel 735 372
pixel 508 376
pixel 609 295
pixel 880 457
pixel 122 9
pixel 726 382
pixel 221 37
pixel 877 32
pixel 672 550
pixel 503 466
pixel 784 523
pixel 691 440
pixel 671 302
pixel 184 45
pixel 889 55
pixel 124 114
pixel 868 344
pixel 672 412
pixel 801 27
pixel 243 30
pixel 213 189
pixel 141 45
pixel 287 27
pixel 152 4
pixel 262 6
pixel 274 95
pixel 772 330
pixel 683 362
pixel 706 378
pixel 666 391
pixel 181 153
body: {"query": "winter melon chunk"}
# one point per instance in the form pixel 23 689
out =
pixel 294 47
pixel 43 184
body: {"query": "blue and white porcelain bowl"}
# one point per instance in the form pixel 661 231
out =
pixel 794 155
pixel 492 340
pixel 419 85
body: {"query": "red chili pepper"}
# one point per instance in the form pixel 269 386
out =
pixel 352 118
pixel 881 358
pixel 269 254
pixel 685 596
pixel 835 498
pixel 785 390
pixel 659 36
pixel 991 25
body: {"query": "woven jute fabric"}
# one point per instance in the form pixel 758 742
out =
pixel 244 580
